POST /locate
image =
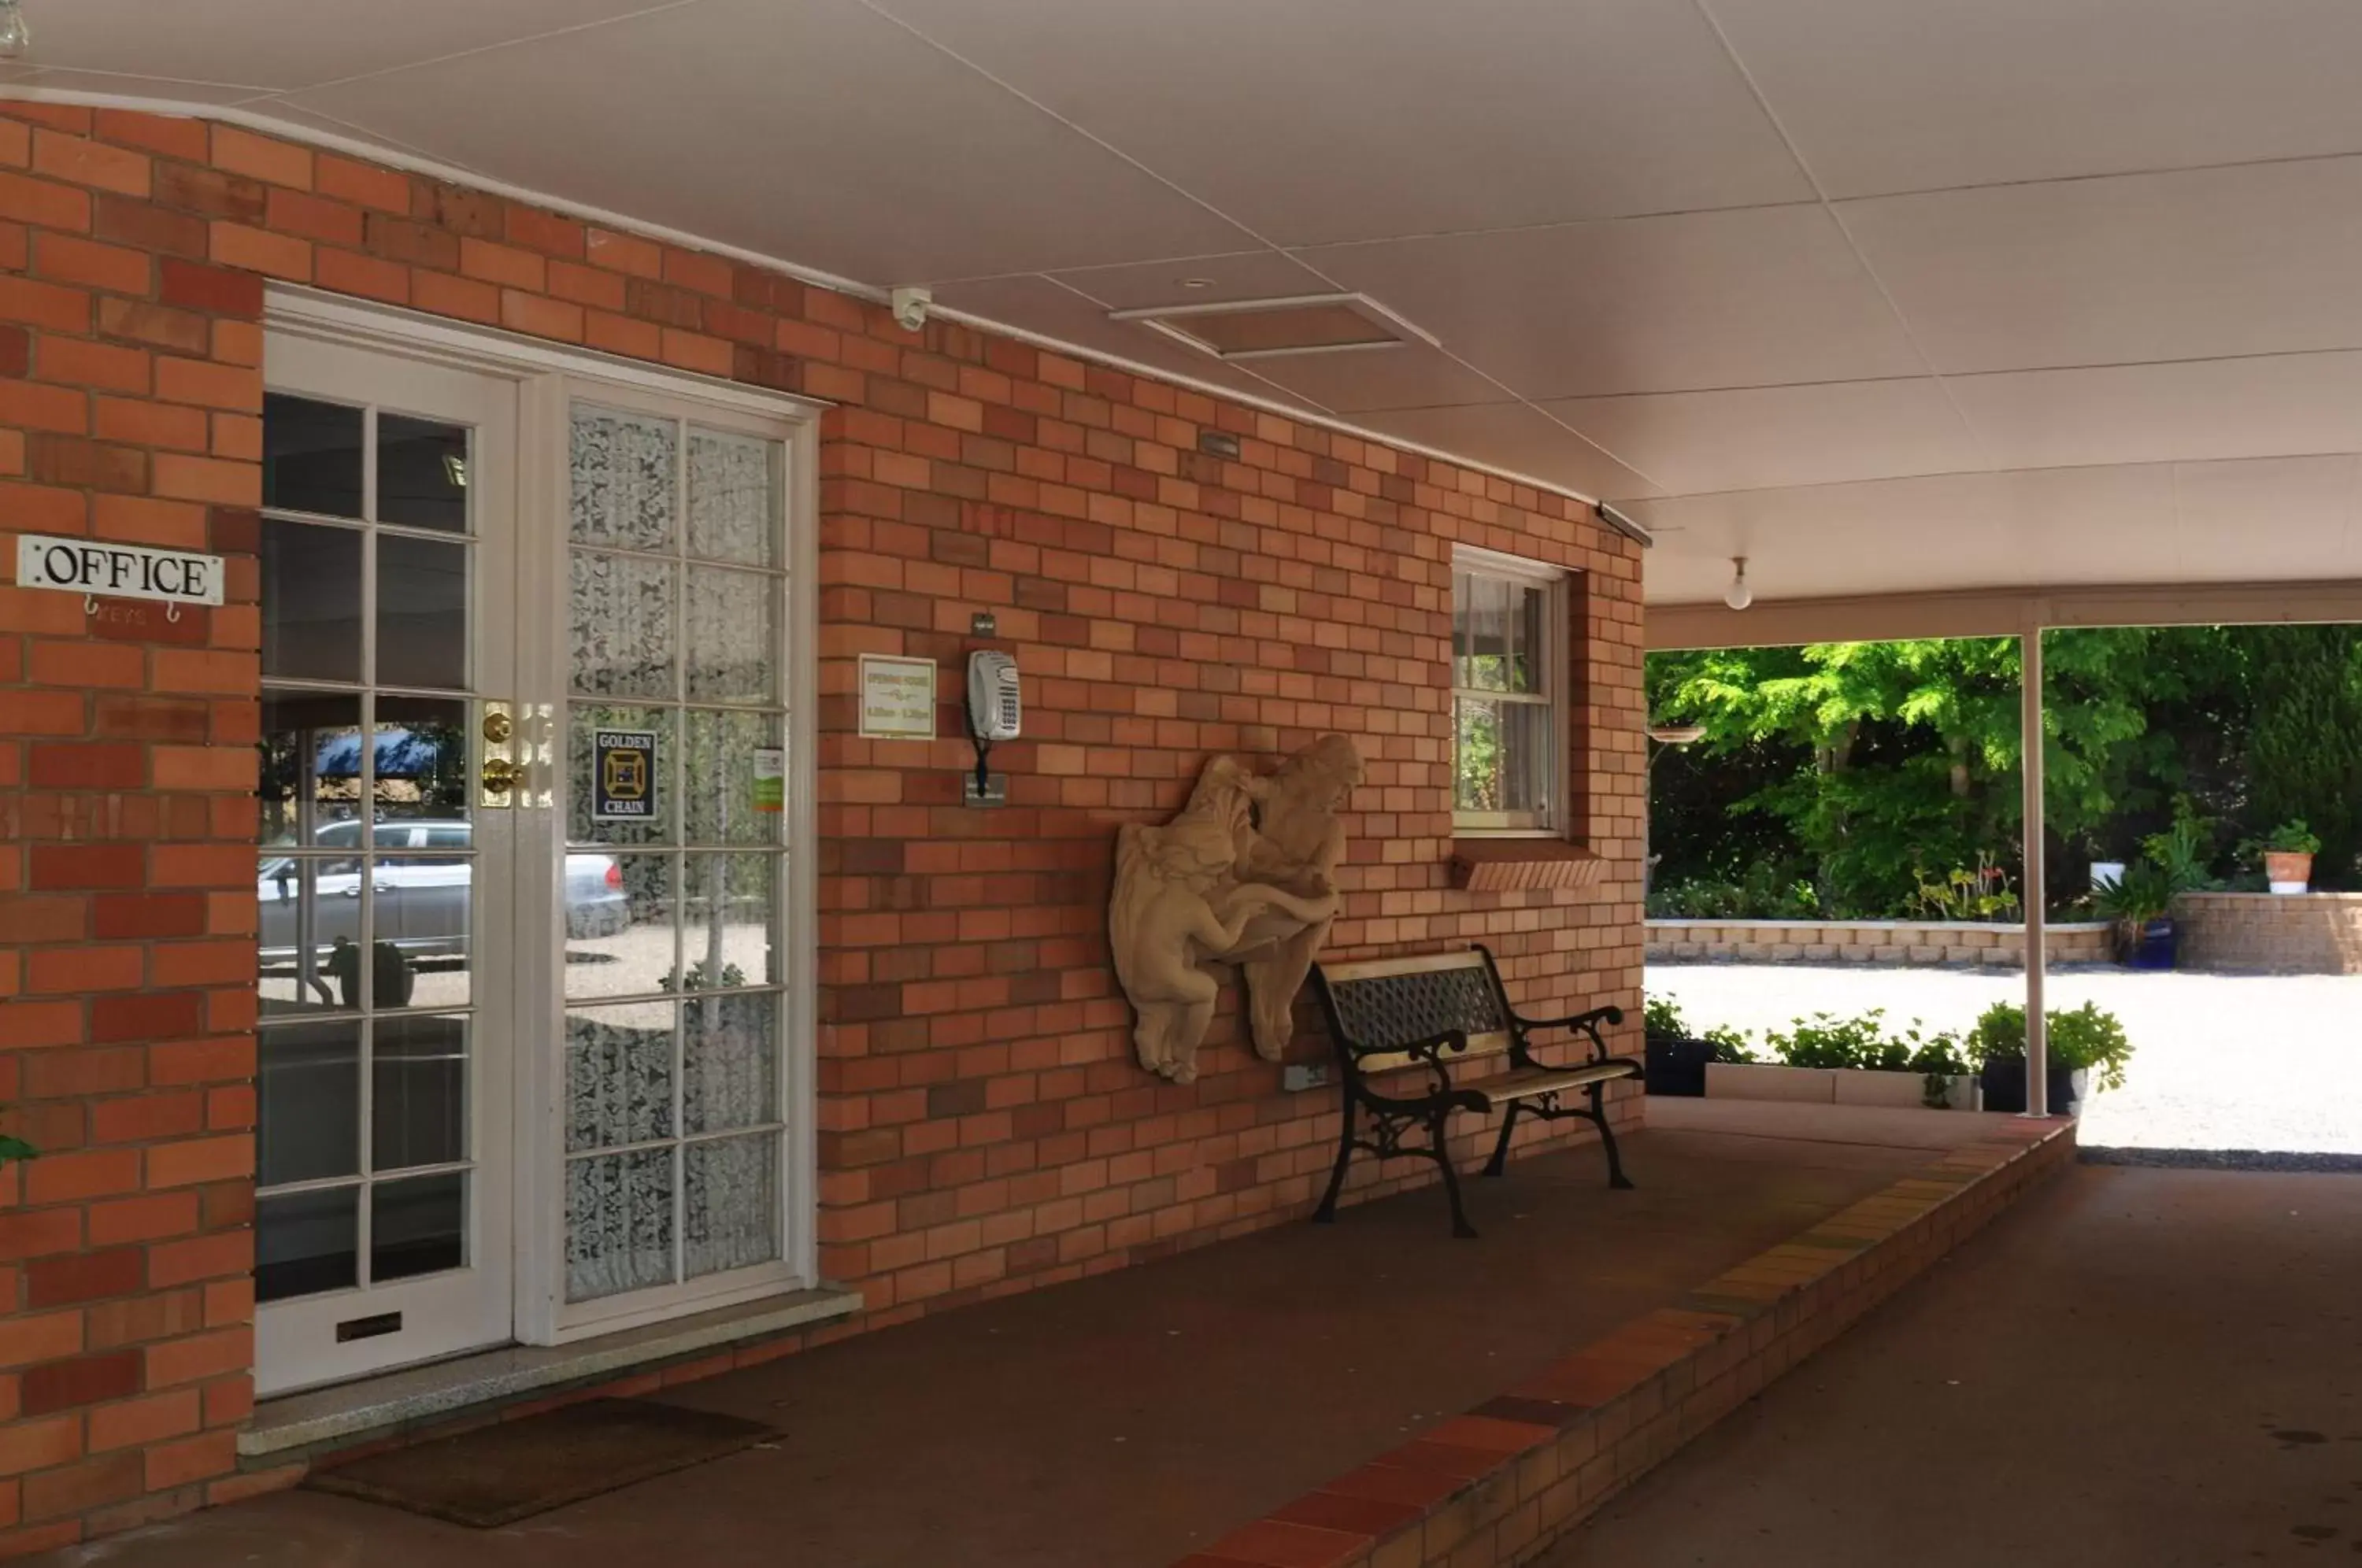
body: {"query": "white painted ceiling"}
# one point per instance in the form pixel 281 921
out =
pixel 1884 294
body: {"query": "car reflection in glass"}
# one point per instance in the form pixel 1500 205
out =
pixel 422 885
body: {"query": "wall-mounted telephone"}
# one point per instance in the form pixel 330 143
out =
pixel 994 713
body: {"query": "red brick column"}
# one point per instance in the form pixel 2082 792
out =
pixel 133 395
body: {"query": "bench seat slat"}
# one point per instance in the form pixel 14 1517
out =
pixel 1532 1083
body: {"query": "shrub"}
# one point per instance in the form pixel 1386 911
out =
pixel 2289 838
pixel 1824 1040
pixel 1662 1016
pixel 2081 1038
pixel 1729 1045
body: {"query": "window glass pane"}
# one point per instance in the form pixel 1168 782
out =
pixel 1488 634
pixel 305 1243
pixel 730 1206
pixel 1529 606
pixel 418 1226
pixel 725 929
pixel 621 625
pixel 732 497
pixel 730 1062
pixel 418 1107
pixel 618 1224
pixel 420 917
pixel 422 613
pixel 311 457
pixel 309 1102
pixel 720 786
pixel 311 601
pixel 624 483
pixel 1527 759
pixel 619 937
pixel 1476 756
pixel 729 634
pixel 308 780
pixel 618 1075
pixel 422 473
pixel 1463 613
pixel 421 763
pixel 661 825
pixel 308 909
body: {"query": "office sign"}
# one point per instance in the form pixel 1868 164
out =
pixel 622 776
pixel 118 571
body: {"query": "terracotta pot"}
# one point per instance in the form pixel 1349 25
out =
pixel 2286 867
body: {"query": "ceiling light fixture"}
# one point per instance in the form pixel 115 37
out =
pixel 16 36
pixel 1196 282
pixel 1738 596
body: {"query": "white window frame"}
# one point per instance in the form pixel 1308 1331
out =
pixel 1557 667
pixel 550 377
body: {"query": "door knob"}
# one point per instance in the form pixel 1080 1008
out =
pixel 500 775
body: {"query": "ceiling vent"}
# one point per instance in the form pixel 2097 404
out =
pixel 1275 328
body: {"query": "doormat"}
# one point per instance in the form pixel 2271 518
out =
pixel 499 1475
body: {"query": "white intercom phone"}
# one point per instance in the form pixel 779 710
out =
pixel 994 712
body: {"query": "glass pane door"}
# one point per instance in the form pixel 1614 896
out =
pixel 380 1224
pixel 675 860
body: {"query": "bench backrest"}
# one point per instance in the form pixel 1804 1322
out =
pixel 1377 1006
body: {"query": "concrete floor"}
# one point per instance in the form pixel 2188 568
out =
pixel 1124 1420
pixel 2261 1062
pixel 2144 1368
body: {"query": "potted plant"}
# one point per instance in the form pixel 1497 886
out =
pixel 2287 851
pixel 1676 1060
pixel 2139 904
pixel 2082 1040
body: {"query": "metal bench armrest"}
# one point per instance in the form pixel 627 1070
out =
pixel 1585 1023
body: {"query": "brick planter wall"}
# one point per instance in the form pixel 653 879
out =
pixel 2286 934
pixel 984 1128
pixel 1892 941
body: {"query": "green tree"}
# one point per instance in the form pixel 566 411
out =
pixel 2304 739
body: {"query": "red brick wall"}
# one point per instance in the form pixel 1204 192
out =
pixel 984 1126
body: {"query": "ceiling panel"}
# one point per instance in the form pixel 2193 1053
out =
pixel 2284 405
pixel 1320 120
pixel 2282 517
pixel 1247 275
pixel 819 131
pixel 1884 97
pixel 1413 375
pixel 1038 305
pixel 1513 437
pixel 2260 259
pixel 1762 297
pixel 1782 436
pixel 290 43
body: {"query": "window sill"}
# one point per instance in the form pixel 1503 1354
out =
pixel 1518 864
pixel 295 1426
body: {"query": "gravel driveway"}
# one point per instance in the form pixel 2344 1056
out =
pixel 2263 1062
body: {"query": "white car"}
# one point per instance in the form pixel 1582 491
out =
pixel 422 892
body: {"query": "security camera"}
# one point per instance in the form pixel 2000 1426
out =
pixel 911 308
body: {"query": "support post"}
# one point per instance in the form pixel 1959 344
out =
pixel 2037 1034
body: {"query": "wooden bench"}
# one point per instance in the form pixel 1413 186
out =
pixel 1395 1016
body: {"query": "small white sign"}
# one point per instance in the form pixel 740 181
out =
pixel 118 571
pixel 898 697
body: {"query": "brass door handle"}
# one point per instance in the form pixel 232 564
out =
pixel 498 726
pixel 500 775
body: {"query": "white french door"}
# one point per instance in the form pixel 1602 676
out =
pixel 385 889
pixel 534 889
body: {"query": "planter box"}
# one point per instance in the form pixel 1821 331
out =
pixel 1831 1086
pixel 1677 1067
pixel 2154 948
pixel 2005 1086
pixel 1730 1080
